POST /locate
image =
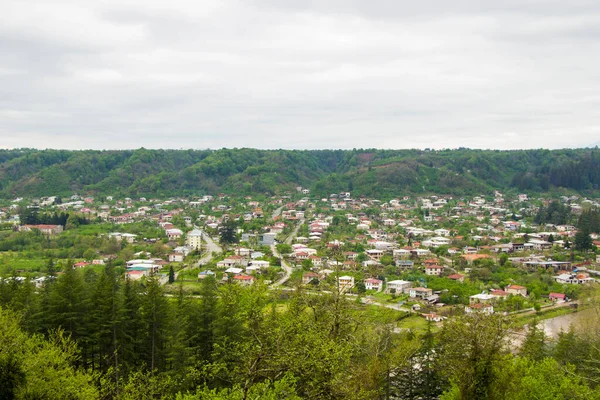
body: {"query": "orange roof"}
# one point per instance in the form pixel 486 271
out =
pixel 473 257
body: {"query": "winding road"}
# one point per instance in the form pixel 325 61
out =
pixel 286 267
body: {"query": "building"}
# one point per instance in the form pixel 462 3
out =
pixel 516 290
pixel 49 230
pixel 174 233
pixel 374 284
pixel 346 282
pixel 457 277
pixel 194 239
pixel 397 286
pixel 481 298
pixel 245 280
pixel 434 270
pixel 420 293
pixel 309 277
pixel 479 308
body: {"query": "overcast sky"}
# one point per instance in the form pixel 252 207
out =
pixel 296 74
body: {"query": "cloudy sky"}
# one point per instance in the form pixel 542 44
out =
pixel 113 74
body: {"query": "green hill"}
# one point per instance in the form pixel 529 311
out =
pixel 371 172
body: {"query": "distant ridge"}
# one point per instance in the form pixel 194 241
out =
pixel 370 172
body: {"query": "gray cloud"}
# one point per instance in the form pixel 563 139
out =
pixel 289 74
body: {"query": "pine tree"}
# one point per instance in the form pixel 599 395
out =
pixel 155 324
pixel 171 274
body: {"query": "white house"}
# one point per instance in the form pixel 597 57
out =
pixel 436 270
pixel 399 286
pixel 346 282
pixel 373 284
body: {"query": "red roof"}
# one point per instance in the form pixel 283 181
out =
pixel 456 276
pixel 243 277
pixel 557 296
pixel 516 287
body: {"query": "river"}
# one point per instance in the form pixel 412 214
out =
pixel 553 326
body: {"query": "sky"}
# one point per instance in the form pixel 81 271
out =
pixel 343 74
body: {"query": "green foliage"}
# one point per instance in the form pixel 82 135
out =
pixel 32 367
pixel 382 173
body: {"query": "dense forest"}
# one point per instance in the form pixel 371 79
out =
pixel 88 335
pixel 370 172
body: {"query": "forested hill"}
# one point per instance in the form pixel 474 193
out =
pixel 383 173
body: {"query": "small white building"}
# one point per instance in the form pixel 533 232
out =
pixel 398 286
pixel 373 284
pixel 346 282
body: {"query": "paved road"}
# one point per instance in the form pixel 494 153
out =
pixel 286 267
pixel 277 212
pixel 211 247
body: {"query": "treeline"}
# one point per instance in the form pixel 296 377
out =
pixel 32 216
pixel 106 337
pixel 371 172
pixel 589 221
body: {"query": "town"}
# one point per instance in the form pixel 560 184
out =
pixel 432 257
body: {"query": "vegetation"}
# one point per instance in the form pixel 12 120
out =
pixel 244 171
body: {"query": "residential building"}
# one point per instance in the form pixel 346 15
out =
pixel 373 284
pixel 516 290
pixel 397 286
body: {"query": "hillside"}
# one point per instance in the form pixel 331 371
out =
pixel 385 173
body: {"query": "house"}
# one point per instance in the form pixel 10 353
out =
pixel 481 298
pixel 136 274
pixel 373 284
pixel 346 282
pixel 194 239
pixel 434 270
pixel 245 280
pixel 375 254
pixel 233 270
pixel 174 233
pixel 479 308
pixel 516 290
pixel 268 238
pixel 404 264
pixel 457 277
pixel 174 257
pixel 576 279
pixel 499 294
pixel 48 230
pixel 397 286
pixel 401 253
pixel 81 264
pixel 309 277
pixel 420 252
pixel 205 274
pixel 420 292
pixel 232 261
pixel 433 317
pixel 557 296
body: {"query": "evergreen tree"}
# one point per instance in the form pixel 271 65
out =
pixel 171 274
pixel 155 324
pixel 534 346
pixel 583 241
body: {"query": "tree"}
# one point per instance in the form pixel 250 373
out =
pixel 34 368
pixel 171 274
pixel 154 312
pixel 227 233
pixel 472 348
pixel 583 241
pixel 534 345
